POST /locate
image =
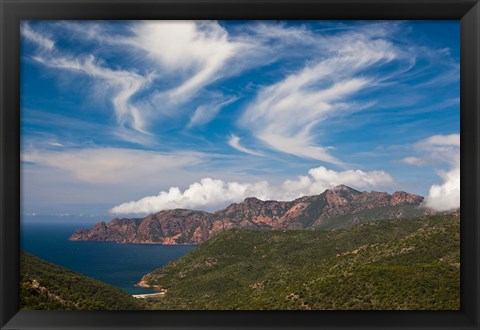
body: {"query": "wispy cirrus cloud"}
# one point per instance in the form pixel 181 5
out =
pixel 187 56
pixel 193 53
pixel 122 85
pixel 207 112
pixel 199 51
pixel 234 142
pixel 284 114
pixel 37 38
pixel 191 57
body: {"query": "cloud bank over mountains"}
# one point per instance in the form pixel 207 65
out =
pixel 210 192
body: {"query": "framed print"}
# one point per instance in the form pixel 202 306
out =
pixel 239 164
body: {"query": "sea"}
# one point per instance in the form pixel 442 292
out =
pixel 121 265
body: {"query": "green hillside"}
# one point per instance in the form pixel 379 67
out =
pixel 380 213
pixel 47 286
pixel 383 265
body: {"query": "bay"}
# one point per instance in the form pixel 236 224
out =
pixel 121 265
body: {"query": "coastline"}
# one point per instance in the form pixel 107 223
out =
pixel 131 243
pixel 148 295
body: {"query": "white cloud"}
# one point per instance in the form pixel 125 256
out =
pixel 196 51
pixel 284 114
pixel 280 33
pixel 191 55
pixel 321 178
pixel 441 140
pixel 234 142
pixel 445 196
pixel 207 192
pixel 110 165
pixel 123 85
pixel 187 55
pixel 300 145
pixel 207 112
pixel 437 150
pixel 413 160
pixel 120 85
pixel 37 38
pixel 210 192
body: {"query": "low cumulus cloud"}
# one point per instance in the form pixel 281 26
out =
pixel 445 196
pixel 321 178
pixel 441 149
pixel 207 192
pixel 213 192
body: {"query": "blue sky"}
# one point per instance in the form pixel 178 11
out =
pixel 133 117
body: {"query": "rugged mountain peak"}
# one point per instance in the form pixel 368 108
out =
pixel 247 202
pixel 344 188
pixel 252 207
pixel 340 195
pixel 402 197
pixel 101 225
pixel 252 201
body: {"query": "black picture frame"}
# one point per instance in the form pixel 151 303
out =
pixel 13 11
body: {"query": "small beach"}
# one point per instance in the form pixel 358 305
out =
pixel 148 295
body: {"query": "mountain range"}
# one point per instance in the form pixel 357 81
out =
pixel 338 207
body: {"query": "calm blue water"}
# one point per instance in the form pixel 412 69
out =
pixel 121 265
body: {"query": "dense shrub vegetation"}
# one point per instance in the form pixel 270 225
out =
pixel 382 265
pixel 50 287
